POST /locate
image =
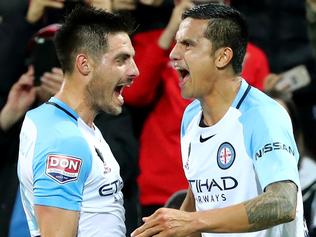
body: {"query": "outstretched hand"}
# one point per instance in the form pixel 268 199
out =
pixel 166 222
pixel 50 84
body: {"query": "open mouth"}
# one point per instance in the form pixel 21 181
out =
pixel 184 76
pixel 183 73
pixel 119 89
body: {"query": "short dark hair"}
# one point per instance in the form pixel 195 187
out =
pixel 226 28
pixel 86 29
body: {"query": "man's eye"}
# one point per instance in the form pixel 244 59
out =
pixel 186 44
pixel 121 60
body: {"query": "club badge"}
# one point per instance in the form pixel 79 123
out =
pixel 225 155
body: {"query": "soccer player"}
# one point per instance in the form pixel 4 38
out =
pixel 238 149
pixel 70 181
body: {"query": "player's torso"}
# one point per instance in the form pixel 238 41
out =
pixel 216 164
pixel 104 183
pixel 100 192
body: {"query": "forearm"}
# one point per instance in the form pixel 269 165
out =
pixel 167 37
pixel 8 118
pixel 277 205
pixel 188 202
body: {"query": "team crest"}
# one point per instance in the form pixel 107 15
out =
pixel 225 155
pixel 63 169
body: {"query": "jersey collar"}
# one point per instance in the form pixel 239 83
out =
pixel 61 105
pixel 242 93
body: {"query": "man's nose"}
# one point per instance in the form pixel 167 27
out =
pixel 174 54
pixel 134 69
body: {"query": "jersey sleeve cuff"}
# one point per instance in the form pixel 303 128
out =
pixel 58 202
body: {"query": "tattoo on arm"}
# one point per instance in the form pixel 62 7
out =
pixel 275 206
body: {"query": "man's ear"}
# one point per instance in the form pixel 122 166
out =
pixel 82 64
pixel 223 57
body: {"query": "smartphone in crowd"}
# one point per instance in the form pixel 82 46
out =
pixel 293 79
pixel 43 58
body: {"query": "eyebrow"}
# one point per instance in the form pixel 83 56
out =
pixel 123 55
pixel 187 41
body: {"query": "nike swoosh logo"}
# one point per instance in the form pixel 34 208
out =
pixel 206 138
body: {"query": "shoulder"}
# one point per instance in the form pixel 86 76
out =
pixel 54 130
pixel 259 109
pixel 193 109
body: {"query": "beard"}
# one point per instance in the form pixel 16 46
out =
pixel 101 100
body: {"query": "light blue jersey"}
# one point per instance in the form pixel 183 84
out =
pixel 66 164
pixel 234 160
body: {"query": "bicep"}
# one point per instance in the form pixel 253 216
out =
pixel 56 221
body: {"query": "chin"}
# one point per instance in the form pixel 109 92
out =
pixel 114 110
pixel 186 96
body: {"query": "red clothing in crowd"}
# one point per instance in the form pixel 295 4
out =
pixel 256 66
pixel 161 172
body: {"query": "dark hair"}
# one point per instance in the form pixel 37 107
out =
pixel 226 28
pixel 86 29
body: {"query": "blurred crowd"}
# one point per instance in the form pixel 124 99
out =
pixel 145 138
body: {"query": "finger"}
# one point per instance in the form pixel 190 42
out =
pixel 50 87
pixel 26 79
pixel 146 232
pixel 270 81
pixel 54 3
pixel 57 70
pixel 124 6
pixel 54 78
pixel 30 70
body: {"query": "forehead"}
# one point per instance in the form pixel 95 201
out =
pixel 119 43
pixel 191 28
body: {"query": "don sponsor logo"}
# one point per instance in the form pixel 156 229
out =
pixel 63 169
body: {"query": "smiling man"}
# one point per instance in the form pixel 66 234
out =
pixel 232 190
pixel 70 181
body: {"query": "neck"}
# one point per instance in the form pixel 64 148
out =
pixel 74 97
pixel 216 104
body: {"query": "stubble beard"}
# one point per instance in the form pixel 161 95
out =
pixel 98 102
